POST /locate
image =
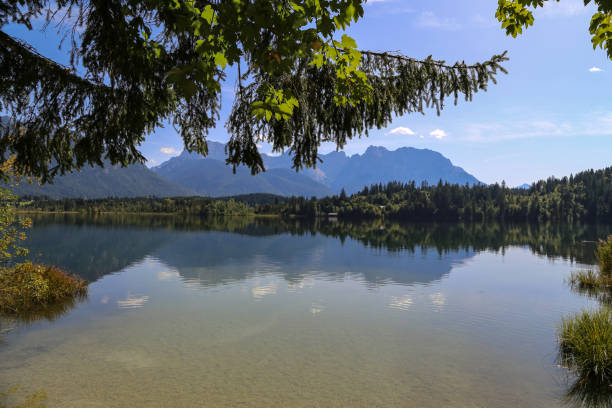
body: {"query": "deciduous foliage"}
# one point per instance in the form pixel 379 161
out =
pixel 518 14
pixel 12 229
pixel 138 64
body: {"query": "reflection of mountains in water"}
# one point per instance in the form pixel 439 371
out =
pixel 223 250
pixel 217 257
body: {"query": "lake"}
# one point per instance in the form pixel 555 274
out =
pixel 267 313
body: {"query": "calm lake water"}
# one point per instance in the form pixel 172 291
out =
pixel 263 313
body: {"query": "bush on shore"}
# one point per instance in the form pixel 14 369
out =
pixel 30 291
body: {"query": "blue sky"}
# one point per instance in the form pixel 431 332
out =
pixel 551 115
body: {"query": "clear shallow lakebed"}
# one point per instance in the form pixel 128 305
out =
pixel 269 313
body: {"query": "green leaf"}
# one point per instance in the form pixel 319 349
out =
pixel 220 60
pixel 348 42
pixel 208 13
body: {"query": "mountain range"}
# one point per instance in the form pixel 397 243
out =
pixel 211 177
pixel 108 181
pixel 190 174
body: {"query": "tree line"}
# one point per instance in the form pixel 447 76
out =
pixel 586 197
pixel 196 206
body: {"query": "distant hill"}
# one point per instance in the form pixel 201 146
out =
pixel 524 186
pixel 109 181
pixel 210 176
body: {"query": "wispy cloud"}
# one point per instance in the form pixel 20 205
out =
pixel 497 132
pixel 169 150
pixel 438 134
pixel 428 19
pixel 389 6
pixel 566 8
pixel 595 69
pixel 401 130
pixel 596 124
pixel 485 21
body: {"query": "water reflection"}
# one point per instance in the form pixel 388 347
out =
pixel 401 302
pixel 132 302
pixel 264 312
pixel 589 393
pixel 48 312
pixel 208 251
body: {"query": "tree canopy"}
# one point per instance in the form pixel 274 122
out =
pixel 135 65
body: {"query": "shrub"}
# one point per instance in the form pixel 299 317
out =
pixel 31 291
pixel 585 344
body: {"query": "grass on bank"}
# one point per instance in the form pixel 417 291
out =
pixel 589 280
pixel 30 291
pixel 585 338
pixel 585 344
pixel 604 256
pixel 596 283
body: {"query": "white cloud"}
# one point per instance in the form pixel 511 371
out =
pixel 565 8
pixel 401 130
pixel 438 134
pixel 595 69
pixel 427 19
pixel 169 150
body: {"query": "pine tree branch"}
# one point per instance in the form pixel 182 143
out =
pixel 12 44
pixel 442 64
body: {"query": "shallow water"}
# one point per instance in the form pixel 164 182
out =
pixel 242 313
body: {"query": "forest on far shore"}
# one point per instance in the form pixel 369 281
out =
pixel 586 196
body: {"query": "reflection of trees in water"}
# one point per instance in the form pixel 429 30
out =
pixel 553 240
pixel 49 312
pixel 588 393
pixel 92 246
